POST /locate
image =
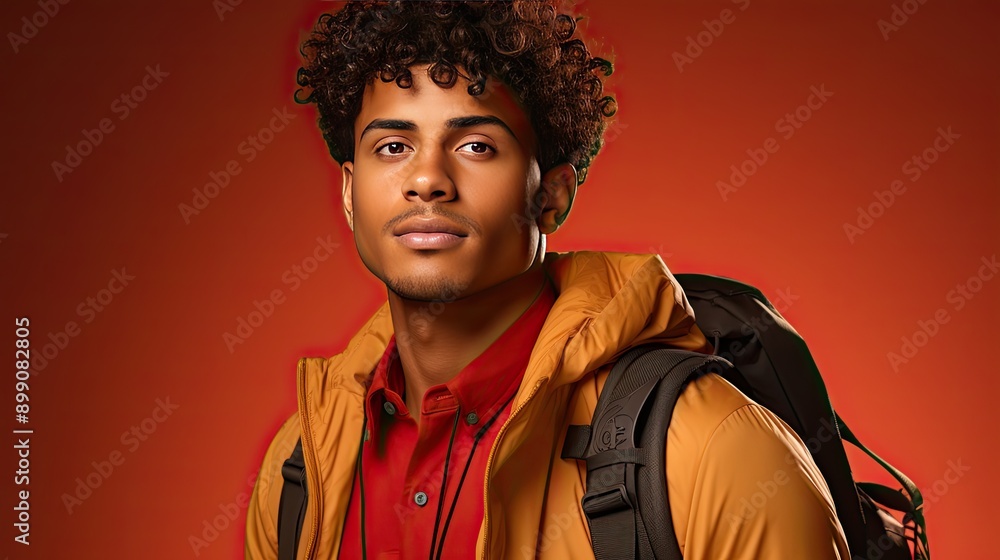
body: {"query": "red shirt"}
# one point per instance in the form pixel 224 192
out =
pixel 403 466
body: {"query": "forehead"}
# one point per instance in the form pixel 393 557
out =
pixel 430 105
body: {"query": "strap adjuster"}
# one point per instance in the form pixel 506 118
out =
pixel 610 500
pixel 293 473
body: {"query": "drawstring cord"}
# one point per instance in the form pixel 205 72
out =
pixel 479 435
pixel 361 482
pixel 435 543
pixel 444 480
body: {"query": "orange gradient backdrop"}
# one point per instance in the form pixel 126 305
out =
pixel 214 77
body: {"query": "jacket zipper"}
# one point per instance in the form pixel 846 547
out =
pixel 307 444
pixel 489 464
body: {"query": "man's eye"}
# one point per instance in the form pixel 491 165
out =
pixel 392 148
pixel 478 147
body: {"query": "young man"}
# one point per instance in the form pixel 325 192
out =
pixel 463 130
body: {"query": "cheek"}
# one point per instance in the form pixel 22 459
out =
pixel 512 225
pixel 516 214
pixel 504 208
pixel 369 215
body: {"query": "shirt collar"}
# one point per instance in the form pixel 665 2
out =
pixel 483 386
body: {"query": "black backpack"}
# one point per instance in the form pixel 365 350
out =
pixel 626 502
pixel 758 352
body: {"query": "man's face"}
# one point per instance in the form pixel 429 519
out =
pixel 466 162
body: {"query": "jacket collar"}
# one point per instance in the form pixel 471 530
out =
pixel 606 303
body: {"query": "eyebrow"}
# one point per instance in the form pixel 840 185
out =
pixel 455 123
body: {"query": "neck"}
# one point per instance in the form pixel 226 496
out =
pixel 449 335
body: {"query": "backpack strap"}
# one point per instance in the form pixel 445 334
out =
pixel 626 503
pixel 292 508
pixel 910 501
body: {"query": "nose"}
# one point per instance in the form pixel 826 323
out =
pixel 430 178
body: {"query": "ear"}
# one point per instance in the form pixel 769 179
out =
pixel 555 197
pixel 347 170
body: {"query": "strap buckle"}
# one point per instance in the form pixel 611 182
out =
pixel 293 473
pixel 604 502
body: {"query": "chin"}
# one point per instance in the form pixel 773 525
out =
pixel 424 288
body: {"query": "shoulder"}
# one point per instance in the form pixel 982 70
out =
pixel 706 405
pixel 741 479
pixel 713 414
pixel 715 426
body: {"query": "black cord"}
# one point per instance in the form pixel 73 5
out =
pixel 468 462
pixel 479 435
pixel 361 482
pixel 444 480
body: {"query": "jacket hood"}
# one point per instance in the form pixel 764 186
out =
pixel 606 303
pixel 611 302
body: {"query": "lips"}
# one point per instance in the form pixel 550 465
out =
pixel 429 225
pixel 433 233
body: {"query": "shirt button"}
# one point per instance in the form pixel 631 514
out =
pixel 472 418
pixel 388 406
pixel 420 499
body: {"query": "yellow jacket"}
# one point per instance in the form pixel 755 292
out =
pixel 741 483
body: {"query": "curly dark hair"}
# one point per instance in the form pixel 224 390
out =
pixel 524 44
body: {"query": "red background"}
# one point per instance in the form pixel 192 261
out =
pixel 653 189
